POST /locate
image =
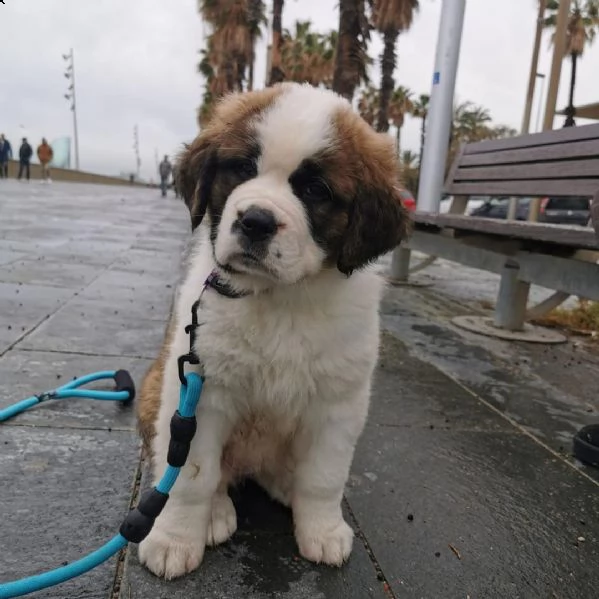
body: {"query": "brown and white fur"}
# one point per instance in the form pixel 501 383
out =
pixel 288 368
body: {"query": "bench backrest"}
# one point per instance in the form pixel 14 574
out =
pixel 595 214
pixel 563 162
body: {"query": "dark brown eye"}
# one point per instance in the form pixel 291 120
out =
pixel 247 169
pixel 316 191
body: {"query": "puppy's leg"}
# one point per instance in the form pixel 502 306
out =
pixel 223 519
pixel 176 544
pixel 324 452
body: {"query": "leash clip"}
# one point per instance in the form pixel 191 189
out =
pixel 190 357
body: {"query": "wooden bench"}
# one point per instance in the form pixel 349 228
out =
pixel 595 215
pixel 561 163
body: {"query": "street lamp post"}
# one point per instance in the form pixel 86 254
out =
pixel 541 76
pixel 70 74
pixel 136 148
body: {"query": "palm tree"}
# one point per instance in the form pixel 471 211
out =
pixel 368 103
pixel 308 56
pixel 352 58
pixel 400 104
pixel 582 28
pixel 230 40
pixel 470 122
pixel 391 17
pixel 420 110
pixel 410 170
pixel 230 47
pixel 256 18
pixel 276 74
pixel 409 159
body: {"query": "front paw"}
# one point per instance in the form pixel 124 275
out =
pixel 324 544
pixel 223 520
pixel 170 556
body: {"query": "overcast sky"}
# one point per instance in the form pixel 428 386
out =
pixel 136 64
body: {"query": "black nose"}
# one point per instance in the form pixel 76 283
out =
pixel 258 224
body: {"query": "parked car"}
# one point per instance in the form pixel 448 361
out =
pixel 407 199
pixel 497 207
pixel 565 211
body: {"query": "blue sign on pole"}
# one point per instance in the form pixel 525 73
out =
pixel 436 78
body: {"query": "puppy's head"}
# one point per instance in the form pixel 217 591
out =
pixel 291 181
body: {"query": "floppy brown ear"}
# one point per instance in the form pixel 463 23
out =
pixel 194 177
pixel 377 224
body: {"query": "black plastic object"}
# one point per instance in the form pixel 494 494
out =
pixel 182 431
pixel 152 502
pixel 136 526
pixel 586 445
pixel 124 382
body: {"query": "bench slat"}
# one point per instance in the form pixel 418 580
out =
pixel 575 237
pixel 595 215
pixel 544 170
pixel 538 139
pixel 538 187
pixel 579 149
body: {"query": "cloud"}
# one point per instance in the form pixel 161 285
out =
pixel 136 64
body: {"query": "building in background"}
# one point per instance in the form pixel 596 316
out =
pixel 62 152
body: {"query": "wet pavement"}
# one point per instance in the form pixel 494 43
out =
pixel 462 486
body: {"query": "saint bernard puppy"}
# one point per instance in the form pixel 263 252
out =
pixel 291 196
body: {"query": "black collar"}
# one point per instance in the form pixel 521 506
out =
pixel 223 288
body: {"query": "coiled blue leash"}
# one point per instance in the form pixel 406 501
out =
pixel 124 392
pixel 139 521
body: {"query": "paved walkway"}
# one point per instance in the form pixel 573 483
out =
pixel 462 484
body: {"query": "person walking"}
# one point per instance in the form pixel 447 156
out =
pixel 45 154
pixel 164 170
pixel 5 156
pixel 25 154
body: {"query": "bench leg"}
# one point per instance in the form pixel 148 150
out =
pixel 510 310
pixel 400 264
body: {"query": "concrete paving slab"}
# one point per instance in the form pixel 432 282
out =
pixel 24 307
pixel 9 256
pixel 261 561
pixel 26 373
pixel 63 493
pixel 52 274
pixel 68 331
pixel 511 508
pixel 155 262
pixel 141 288
pixel 406 392
pixel 520 521
pixel 547 400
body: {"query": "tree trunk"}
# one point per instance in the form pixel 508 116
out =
pixel 250 84
pixel 570 110
pixel 229 71
pixel 347 57
pixel 387 82
pixel 422 136
pixel 397 141
pixel 276 74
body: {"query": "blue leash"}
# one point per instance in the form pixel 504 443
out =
pixel 124 391
pixel 139 521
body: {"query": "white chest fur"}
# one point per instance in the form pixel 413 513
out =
pixel 286 347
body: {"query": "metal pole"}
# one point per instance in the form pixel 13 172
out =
pixel 75 113
pixel 559 50
pixel 540 109
pixel 400 265
pixel 441 105
pixel 532 79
